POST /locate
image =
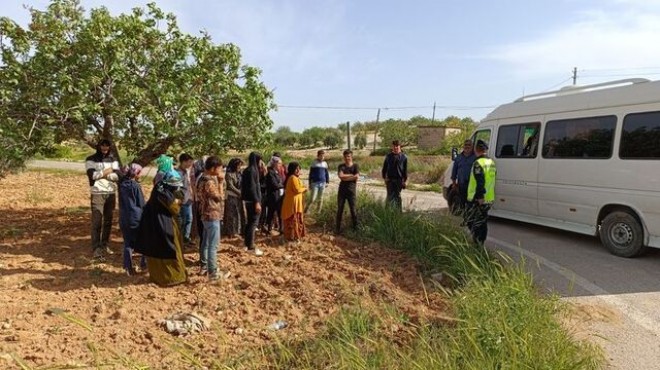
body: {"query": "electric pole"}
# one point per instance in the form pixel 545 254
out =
pixel 376 130
pixel 348 134
pixel 433 116
pixel 574 75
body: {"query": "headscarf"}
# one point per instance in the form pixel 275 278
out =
pixel 273 161
pixel 132 170
pixel 173 179
pixel 164 163
pixel 171 185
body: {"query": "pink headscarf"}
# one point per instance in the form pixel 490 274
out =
pixel 132 170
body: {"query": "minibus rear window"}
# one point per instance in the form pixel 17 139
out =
pixel 640 138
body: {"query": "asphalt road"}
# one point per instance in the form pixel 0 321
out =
pixel 618 298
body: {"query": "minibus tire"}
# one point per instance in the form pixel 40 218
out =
pixel 622 234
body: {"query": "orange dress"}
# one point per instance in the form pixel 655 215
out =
pixel 292 209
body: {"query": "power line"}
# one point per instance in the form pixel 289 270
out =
pixel 557 84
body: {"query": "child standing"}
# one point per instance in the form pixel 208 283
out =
pixel 211 201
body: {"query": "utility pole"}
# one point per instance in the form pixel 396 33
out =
pixel 574 75
pixel 376 130
pixel 433 116
pixel 348 134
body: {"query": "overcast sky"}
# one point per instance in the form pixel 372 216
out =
pixel 466 56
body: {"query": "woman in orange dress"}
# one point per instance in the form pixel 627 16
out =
pixel 292 206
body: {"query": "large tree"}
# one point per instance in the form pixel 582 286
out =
pixel 135 78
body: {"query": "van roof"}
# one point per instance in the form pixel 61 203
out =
pixel 569 99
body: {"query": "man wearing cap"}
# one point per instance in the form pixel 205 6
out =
pixel 460 172
pixel 103 174
pixel 481 192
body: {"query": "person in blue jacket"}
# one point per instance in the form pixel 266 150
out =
pixel 460 171
pixel 319 178
pixel 131 202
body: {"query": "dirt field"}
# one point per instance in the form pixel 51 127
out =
pixel 111 319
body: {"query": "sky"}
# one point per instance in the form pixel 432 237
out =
pixel 332 61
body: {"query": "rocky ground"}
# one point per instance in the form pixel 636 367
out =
pixel 61 308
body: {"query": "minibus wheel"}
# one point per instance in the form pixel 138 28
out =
pixel 622 234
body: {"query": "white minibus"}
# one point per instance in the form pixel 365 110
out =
pixel 583 158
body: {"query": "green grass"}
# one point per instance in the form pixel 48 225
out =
pixel 499 319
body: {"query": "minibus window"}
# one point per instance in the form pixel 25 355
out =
pixel 579 138
pixel 640 136
pixel 517 141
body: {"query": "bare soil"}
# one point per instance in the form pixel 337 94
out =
pixel 111 319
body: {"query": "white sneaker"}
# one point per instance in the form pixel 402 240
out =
pixel 256 251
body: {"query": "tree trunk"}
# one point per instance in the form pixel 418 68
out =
pixel 151 152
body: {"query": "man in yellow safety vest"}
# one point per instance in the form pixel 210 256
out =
pixel 481 192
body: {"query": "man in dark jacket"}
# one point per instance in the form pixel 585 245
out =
pixel 460 171
pixel 251 195
pixel 102 173
pixel 395 174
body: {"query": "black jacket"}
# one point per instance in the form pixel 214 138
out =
pixel 395 167
pixel 155 236
pixel 250 186
pixel 273 183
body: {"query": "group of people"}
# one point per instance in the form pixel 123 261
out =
pixel 206 196
pixel 473 175
pixel 240 199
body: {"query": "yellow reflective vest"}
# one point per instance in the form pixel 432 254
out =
pixel 485 166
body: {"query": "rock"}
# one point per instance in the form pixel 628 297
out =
pixel 239 331
pixel 12 338
pixel 149 336
pixel 151 295
pixel 99 308
pixel 6 325
pixel 278 281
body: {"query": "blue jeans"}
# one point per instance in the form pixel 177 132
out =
pixel 208 253
pixel 316 195
pixel 185 214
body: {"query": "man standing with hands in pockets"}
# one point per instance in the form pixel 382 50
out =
pixel 395 174
pixel 349 173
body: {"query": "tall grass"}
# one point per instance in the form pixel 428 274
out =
pixel 500 321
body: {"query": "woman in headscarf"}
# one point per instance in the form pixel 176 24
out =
pixel 234 220
pixel 159 236
pixel 251 195
pixel 274 192
pixel 131 201
pixel 165 164
pixel 293 205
